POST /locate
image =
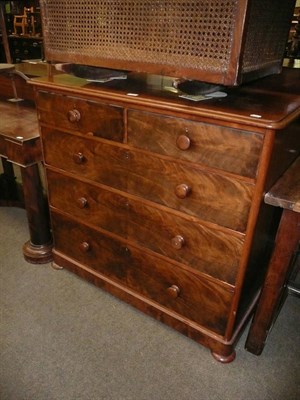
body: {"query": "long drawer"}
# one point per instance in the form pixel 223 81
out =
pixel 232 150
pixel 83 116
pixel 212 251
pixel 210 196
pixel 199 300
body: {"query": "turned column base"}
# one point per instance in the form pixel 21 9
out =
pixel 37 254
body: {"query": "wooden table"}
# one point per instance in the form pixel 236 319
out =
pixel 285 194
pixel 20 145
pixel 13 82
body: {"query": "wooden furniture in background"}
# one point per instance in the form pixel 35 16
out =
pixel 4 34
pixel 286 195
pixel 20 74
pixel 20 21
pixel 20 145
pixel 21 37
pixel 159 200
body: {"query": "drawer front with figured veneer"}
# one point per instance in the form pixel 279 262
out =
pixel 211 251
pixel 83 116
pixel 202 301
pixel 229 149
pixel 212 197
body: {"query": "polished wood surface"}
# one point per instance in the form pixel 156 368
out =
pixel 20 145
pixel 207 249
pixel 146 209
pixel 14 84
pixel 145 273
pixel 270 102
pixel 232 150
pixel 286 195
pixel 79 115
pixel 19 125
pixel 286 192
pixel 178 186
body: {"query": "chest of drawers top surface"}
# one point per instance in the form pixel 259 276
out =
pixel 271 102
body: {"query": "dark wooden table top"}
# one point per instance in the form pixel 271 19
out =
pixel 286 191
pixel 18 121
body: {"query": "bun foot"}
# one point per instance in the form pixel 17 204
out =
pixel 224 359
pixel 37 254
pixel 56 266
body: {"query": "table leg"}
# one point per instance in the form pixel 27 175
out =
pixel 38 250
pixel 9 187
pixel 287 238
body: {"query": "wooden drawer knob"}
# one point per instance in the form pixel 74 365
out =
pixel 84 247
pixel 78 158
pixel 183 142
pixel 74 115
pixel 182 191
pixel 177 242
pixel 82 202
pixel 173 291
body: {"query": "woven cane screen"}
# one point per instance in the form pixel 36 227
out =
pixel 196 39
pixel 266 38
pixel 193 34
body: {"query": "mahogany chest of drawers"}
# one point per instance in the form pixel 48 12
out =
pixel 159 200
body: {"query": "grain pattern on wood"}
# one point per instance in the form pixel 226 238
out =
pixel 87 117
pixel 18 119
pixel 286 192
pixel 153 178
pixel 199 300
pixel 208 250
pixel 231 150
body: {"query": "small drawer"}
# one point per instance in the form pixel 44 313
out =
pixel 232 150
pixel 83 116
pixel 210 251
pixel 211 197
pixel 197 299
